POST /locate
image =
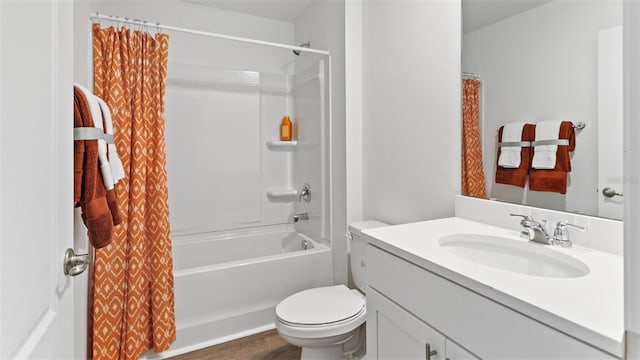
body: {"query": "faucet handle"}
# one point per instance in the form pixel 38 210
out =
pixel 561 233
pixel 527 233
pixel 524 217
pixel 563 225
pixel 305 193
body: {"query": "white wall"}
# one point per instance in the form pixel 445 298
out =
pixel 324 25
pixel 542 65
pixel 353 95
pixel 410 109
pixel 632 176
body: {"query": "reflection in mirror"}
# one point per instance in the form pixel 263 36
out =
pixel 541 63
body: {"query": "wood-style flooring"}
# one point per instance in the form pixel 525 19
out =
pixel 267 345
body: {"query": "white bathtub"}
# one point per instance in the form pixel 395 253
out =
pixel 227 285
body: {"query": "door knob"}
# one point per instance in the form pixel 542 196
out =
pixel 610 192
pixel 429 353
pixel 74 265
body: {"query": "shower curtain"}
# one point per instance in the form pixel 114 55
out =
pixel 472 168
pixel 133 299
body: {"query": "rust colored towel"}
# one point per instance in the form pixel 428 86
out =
pixel 112 201
pixel 555 180
pixel 78 156
pixel 89 191
pixel 516 177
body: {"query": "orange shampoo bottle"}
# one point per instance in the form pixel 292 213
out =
pixel 285 129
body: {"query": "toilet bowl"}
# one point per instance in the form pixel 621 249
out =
pixel 328 322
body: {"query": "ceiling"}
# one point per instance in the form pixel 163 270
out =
pixel 475 13
pixel 283 10
pixel 480 13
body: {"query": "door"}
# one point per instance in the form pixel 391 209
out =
pixel 610 122
pixel 36 184
pixel 394 333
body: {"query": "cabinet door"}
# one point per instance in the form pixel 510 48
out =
pixel 394 333
pixel 455 352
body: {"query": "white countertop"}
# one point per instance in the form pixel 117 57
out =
pixel 589 308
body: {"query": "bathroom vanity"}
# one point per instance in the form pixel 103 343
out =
pixel 434 295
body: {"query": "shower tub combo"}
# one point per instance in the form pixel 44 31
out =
pixel 227 285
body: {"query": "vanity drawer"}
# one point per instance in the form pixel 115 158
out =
pixel 481 325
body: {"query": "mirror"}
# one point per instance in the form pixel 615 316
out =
pixel 540 60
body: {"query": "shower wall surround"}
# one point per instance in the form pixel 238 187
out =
pixel 324 25
pixel 218 122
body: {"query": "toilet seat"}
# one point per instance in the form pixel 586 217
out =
pixel 321 312
pixel 320 306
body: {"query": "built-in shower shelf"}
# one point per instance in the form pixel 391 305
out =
pixel 282 145
pixel 282 194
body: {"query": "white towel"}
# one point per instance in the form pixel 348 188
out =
pixel 117 171
pixel 544 156
pixel 510 155
pixel 96 115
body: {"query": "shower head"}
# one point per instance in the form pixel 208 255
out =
pixel 306 45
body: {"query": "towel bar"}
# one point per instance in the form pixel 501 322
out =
pixel 92 133
pixel 580 125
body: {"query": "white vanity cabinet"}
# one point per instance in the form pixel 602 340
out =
pixel 394 333
pixel 455 352
pixel 409 306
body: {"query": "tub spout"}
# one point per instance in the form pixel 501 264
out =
pixel 301 216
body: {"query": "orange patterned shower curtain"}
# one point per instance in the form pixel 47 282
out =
pixel 472 168
pixel 133 299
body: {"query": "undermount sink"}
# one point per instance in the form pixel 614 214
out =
pixel 514 255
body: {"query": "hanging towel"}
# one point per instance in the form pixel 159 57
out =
pixel 545 146
pixel 117 171
pixel 89 190
pixel 555 179
pixel 96 118
pixel 96 115
pixel 516 176
pixel 510 152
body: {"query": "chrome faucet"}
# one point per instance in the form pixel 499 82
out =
pixel 534 230
pixel 305 193
pixel 301 216
pixel 561 234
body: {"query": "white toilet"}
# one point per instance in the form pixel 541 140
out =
pixel 328 322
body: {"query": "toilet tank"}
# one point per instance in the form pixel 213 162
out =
pixel 358 251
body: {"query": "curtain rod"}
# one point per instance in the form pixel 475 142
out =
pixel 469 75
pixel 126 20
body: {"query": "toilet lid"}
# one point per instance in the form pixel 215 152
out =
pixel 321 305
